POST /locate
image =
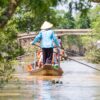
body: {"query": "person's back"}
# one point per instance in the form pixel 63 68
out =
pixel 47 37
pixel 60 42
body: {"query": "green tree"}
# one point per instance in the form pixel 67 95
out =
pixel 93 54
pixel 67 21
pixel 83 22
pixel 13 14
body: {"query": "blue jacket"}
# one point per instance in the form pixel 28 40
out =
pixel 47 38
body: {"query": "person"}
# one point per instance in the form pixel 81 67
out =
pixel 46 36
pixel 55 55
pixel 60 42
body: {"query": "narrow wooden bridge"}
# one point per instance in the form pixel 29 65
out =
pixel 26 38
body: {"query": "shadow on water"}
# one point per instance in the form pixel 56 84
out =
pixel 77 83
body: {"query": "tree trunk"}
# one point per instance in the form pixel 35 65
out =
pixel 7 14
pixel 95 1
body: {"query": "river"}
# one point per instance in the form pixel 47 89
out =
pixel 77 83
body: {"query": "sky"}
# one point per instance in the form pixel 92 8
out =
pixel 65 7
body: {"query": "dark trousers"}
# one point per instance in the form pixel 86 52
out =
pixel 47 55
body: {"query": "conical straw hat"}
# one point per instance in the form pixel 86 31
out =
pixel 46 25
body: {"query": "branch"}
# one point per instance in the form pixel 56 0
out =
pixel 98 1
pixel 7 14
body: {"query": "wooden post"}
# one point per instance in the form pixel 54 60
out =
pixel 35 59
pixel 58 50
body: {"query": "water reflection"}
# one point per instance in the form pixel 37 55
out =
pixel 77 83
pixel 43 92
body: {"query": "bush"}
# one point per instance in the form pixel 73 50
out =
pixel 93 55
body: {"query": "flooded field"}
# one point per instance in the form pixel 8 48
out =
pixel 77 83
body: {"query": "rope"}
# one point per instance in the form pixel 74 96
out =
pixel 84 64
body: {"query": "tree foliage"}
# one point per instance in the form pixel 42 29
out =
pixel 16 16
pixel 93 54
pixel 80 20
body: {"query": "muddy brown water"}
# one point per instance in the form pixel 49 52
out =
pixel 77 83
